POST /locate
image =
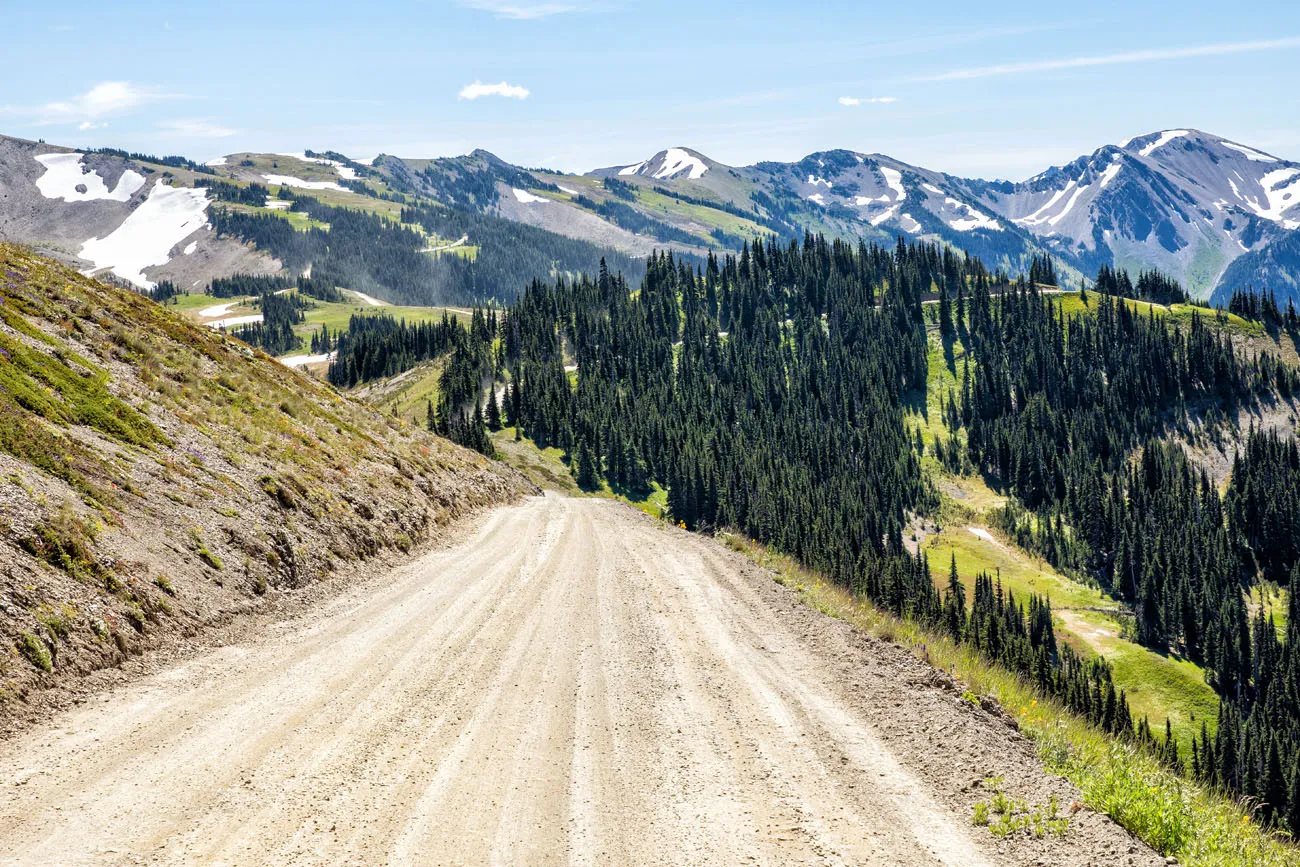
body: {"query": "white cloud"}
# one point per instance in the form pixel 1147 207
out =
pixel 106 98
pixel 866 100
pixel 521 11
pixel 1120 58
pixel 195 128
pixel 478 88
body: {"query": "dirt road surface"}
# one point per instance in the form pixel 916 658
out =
pixel 575 684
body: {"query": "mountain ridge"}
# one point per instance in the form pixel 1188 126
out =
pixel 1213 213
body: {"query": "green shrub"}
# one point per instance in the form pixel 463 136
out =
pixel 35 651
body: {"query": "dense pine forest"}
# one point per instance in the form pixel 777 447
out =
pixel 766 393
pixel 274 334
pixel 372 254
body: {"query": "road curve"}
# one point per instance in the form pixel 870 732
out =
pixel 575 684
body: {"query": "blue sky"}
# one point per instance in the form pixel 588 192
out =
pixel 995 89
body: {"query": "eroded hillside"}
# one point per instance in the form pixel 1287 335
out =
pixel 158 477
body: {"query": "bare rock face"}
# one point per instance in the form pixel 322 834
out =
pixel 159 478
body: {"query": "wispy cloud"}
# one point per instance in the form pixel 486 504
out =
pixel 1125 57
pixel 195 128
pixel 522 11
pixel 102 100
pixel 478 89
pixel 866 100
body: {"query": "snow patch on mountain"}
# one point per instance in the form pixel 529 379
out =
pixel 677 161
pixel 910 224
pixel 1109 174
pixel 1251 153
pixel 973 220
pixel 293 361
pixel 884 215
pixel 632 170
pixel 235 321
pixel 64 174
pixel 1165 138
pixel 1069 206
pixel 369 300
pixel 815 181
pixel 1038 216
pixel 894 180
pixel 146 238
pixel 527 198
pixel 290 181
pixel 1279 195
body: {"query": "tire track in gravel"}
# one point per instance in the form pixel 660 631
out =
pixel 576 684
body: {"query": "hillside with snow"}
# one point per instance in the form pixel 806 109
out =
pixel 110 216
pixel 1213 213
pixel 1187 202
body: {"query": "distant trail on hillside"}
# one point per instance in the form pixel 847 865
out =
pixel 575 684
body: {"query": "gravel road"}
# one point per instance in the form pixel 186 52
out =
pixel 575 684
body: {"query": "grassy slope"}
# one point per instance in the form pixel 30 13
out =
pixel 1158 685
pixel 1198 828
pixel 406 395
pixel 664 208
pixel 160 477
pixel 333 315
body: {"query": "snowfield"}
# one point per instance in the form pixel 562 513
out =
pixel 290 181
pixel 894 180
pixel 1069 206
pixel 1037 216
pixel 528 198
pixel 565 189
pixel 1165 138
pixel 373 302
pixel 219 310
pixel 631 170
pixel 218 162
pixel 191 247
pixel 64 173
pixel 1109 175
pixel 1251 153
pixel 677 161
pixel 973 220
pixel 235 321
pixel 910 224
pixel 884 215
pixel 168 216
pixel 304 360
pixel 1279 195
